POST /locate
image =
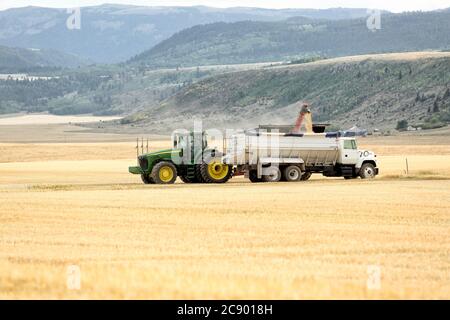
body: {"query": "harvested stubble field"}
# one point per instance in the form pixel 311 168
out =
pixel 75 204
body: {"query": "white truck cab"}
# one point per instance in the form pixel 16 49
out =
pixel 351 156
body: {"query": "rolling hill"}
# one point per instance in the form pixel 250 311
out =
pixel 298 37
pixel 19 60
pixel 114 33
pixel 374 91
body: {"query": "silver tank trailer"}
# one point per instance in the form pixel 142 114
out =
pixel 258 149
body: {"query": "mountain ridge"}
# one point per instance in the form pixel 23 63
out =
pixel 298 37
pixel 115 33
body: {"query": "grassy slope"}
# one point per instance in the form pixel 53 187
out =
pixel 372 91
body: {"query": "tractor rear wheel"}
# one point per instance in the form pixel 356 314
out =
pixel 164 173
pixel 147 179
pixel 214 171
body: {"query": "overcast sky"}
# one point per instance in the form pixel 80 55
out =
pixel 392 5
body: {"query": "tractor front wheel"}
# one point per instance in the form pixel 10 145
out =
pixel 164 173
pixel 147 179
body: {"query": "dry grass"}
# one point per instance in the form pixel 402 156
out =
pixel 312 240
pixel 26 152
pixel 239 240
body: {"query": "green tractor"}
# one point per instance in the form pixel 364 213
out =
pixel 190 159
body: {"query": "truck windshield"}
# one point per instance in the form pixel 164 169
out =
pixel 350 144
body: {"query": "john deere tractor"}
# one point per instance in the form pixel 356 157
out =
pixel 190 159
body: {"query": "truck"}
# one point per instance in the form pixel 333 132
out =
pixel 271 157
pixel 263 154
pixel 190 158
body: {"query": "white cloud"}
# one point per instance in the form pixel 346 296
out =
pixel 396 6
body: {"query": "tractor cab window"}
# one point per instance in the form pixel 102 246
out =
pixel 205 141
pixel 350 145
pixel 179 141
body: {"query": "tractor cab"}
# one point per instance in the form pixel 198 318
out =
pixel 191 146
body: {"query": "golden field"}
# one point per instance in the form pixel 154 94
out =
pixel 65 204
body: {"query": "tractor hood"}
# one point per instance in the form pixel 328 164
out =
pixel 162 152
pixel 165 154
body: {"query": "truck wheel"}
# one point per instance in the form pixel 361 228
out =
pixel 292 174
pixel 214 171
pixel 164 173
pixel 147 179
pixel 306 176
pixel 367 171
pixel 273 176
pixel 253 176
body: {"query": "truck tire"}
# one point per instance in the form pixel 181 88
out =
pixel 292 174
pixel 253 176
pixel 147 179
pixel 164 173
pixel 367 171
pixel 273 176
pixel 306 175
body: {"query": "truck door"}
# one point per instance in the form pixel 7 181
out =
pixel 349 152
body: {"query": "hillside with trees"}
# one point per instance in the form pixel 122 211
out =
pixel 294 38
pixel 19 60
pixel 373 91
pixel 114 33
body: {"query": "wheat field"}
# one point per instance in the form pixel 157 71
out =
pixel 75 204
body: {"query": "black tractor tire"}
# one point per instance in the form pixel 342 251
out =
pixel 223 175
pixel 292 174
pixel 147 179
pixel 253 176
pixel 198 174
pixel 164 172
pixel 306 175
pixel 367 171
pixel 274 176
pixel 212 170
pixel 185 179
